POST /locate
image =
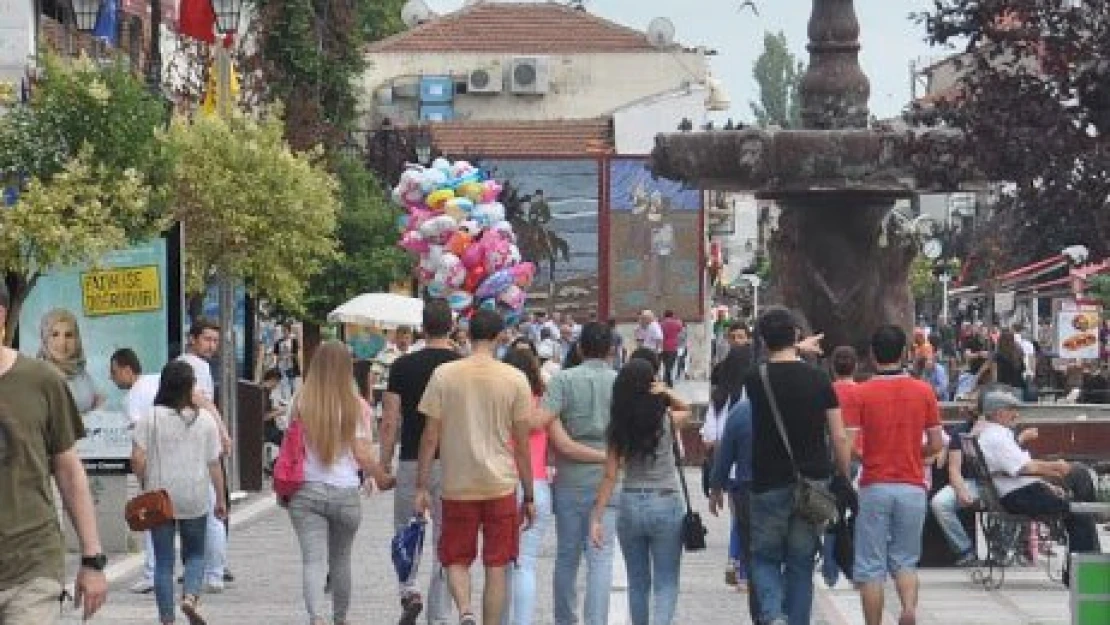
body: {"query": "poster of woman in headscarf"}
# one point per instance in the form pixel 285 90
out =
pixel 654 243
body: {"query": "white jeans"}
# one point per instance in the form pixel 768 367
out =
pixel 215 545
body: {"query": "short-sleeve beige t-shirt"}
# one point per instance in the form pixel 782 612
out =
pixel 477 399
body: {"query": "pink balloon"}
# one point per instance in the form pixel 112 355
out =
pixel 473 255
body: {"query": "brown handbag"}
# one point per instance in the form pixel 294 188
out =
pixel 149 510
pixel 153 508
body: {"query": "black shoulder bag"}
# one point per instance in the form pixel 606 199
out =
pixel 813 501
pixel 693 529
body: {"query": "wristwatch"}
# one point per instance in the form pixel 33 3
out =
pixel 96 563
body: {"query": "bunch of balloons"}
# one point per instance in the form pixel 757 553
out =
pixel 456 228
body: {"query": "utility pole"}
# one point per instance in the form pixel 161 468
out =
pixel 229 375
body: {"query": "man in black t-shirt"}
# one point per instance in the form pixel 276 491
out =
pixel 408 377
pixel 783 545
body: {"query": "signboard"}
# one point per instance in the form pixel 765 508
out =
pixel 121 291
pixel 1090 589
pixel 1077 332
pixel 77 317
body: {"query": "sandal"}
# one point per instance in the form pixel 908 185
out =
pixel 189 605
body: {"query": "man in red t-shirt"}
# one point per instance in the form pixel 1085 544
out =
pixel 892 411
pixel 672 331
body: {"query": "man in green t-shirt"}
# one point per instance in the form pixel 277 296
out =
pixel 39 425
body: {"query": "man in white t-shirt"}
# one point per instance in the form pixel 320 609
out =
pixel 204 342
pixel 127 374
pixel 1033 487
pixel 649 333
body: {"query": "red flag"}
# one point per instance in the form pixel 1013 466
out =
pixel 197 19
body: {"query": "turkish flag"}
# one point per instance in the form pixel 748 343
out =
pixel 197 19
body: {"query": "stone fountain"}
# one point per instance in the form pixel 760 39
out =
pixel 835 180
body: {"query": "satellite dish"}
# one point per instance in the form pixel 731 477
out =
pixel 660 32
pixel 415 13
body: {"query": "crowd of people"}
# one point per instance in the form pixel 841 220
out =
pixel 496 436
pixel 869 437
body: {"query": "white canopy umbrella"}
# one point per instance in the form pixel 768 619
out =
pixel 380 309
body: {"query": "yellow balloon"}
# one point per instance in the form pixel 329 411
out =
pixel 436 199
pixel 471 191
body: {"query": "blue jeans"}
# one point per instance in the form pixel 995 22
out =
pixel 888 531
pixel 650 531
pixel 192 532
pixel 215 551
pixel 572 528
pixel 784 548
pixel 946 510
pixel 522 598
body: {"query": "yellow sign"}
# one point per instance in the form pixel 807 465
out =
pixel 121 291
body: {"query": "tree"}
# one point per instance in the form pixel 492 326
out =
pixel 382 18
pixel 779 75
pixel 530 216
pixel 251 208
pixel 84 156
pixel 1033 113
pixel 369 259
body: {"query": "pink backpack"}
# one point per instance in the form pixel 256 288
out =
pixel 289 467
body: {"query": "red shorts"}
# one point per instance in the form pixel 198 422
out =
pixel 500 525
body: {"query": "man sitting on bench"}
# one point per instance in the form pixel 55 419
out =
pixel 1033 487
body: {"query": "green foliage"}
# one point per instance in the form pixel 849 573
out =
pixel 922 281
pixel 370 259
pixel 78 103
pixel 778 74
pixel 77 216
pixel 250 207
pixel 381 18
pixel 312 58
pixel 84 151
pixel 1099 288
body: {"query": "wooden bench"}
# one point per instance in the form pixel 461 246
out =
pixel 1002 529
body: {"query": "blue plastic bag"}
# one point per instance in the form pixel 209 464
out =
pixel 407 548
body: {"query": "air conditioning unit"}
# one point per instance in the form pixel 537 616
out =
pixel 485 80
pixel 406 90
pixel 529 75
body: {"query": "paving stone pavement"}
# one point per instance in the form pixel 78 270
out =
pixel 266 561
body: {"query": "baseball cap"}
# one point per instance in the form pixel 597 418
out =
pixel 997 400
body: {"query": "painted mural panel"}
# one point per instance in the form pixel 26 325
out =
pixel 557 213
pixel 654 243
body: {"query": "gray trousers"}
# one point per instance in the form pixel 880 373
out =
pixel 326 519
pixel 439 606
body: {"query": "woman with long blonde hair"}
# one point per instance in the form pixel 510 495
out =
pixel 326 510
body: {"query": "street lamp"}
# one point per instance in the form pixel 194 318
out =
pixel 84 14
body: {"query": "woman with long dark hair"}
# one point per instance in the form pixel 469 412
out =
pixel 1009 361
pixel 641 441
pixel 177 448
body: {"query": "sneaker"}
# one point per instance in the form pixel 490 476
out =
pixel 730 577
pixel 411 607
pixel 468 619
pixel 142 587
pixel 214 586
pixel 189 606
pixel 228 577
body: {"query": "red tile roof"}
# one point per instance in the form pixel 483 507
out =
pixel 517 28
pixel 461 139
